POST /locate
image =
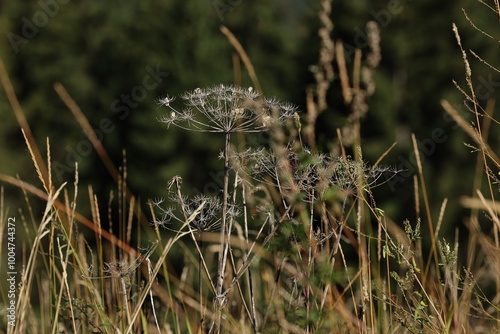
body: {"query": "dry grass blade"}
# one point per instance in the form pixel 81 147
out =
pixel 34 159
pixel 343 76
pixel 468 71
pixel 89 131
pixel 422 183
pixel 27 279
pixel 469 130
pixel 440 219
pixel 23 123
pixel 427 210
pixel 497 7
pixel 475 27
pixel 243 55
pixel 474 203
pixel 484 61
pixel 63 208
pixel 97 145
pixel 383 156
pixel 492 210
pixel 64 285
pixel 156 269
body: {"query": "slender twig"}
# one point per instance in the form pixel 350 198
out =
pixel 220 299
pixel 23 123
pixel 245 254
pixel 150 272
pixel 156 269
pixel 243 55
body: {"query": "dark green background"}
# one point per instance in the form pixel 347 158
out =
pixel 101 50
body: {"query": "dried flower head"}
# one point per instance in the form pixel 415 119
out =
pixel 208 219
pixel 311 174
pixel 226 109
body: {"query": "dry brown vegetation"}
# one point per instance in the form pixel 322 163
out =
pixel 295 243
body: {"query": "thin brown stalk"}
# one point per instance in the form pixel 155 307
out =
pixel 29 269
pixel 220 298
pixel 168 246
pixel 478 29
pixel 356 71
pixel 427 208
pixel 125 298
pixel 23 123
pixel 440 218
pixel 245 254
pixel 379 160
pixel 484 61
pixel 96 143
pixel 87 128
pixel 491 209
pixel 343 75
pixel 416 197
pixel 481 142
pixel 130 219
pixel 191 232
pixel 477 204
pixel 64 286
pixel 342 148
pixel 150 272
pixel 62 207
pixel 497 7
pixel 243 55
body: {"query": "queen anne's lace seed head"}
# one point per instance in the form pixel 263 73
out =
pixel 226 109
pixel 312 174
pixel 165 101
pixel 208 219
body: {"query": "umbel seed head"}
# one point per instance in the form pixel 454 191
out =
pixel 226 109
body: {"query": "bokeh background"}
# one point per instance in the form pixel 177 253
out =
pixel 117 58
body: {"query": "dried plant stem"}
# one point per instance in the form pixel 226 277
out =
pixel 199 247
pixel 62 207
pixel 343 74
pixel 23 123
pixel 310 260
pixel 469 130
pixel 248 261
pixel 150 272
pixel 89 131
pixel 168 246
pixel 481 141
pixel 427 210
pixel 96 144
pixel 224 236
pixel 64 284
pixel 231 256
pixel 27 279
pixel 125 298
pixel 243 55
pixel 245 254
pixel 200 283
